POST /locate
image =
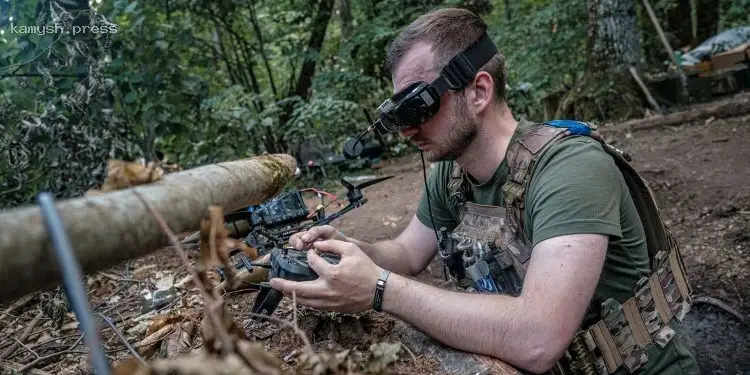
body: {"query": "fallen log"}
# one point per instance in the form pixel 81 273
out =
pixel 736 106
pixel 112 227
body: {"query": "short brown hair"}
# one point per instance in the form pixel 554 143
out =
pixel 449 31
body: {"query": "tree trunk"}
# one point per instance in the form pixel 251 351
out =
pixel 346 18
pixel 707 20
pixel 315 43
pixel 617 43
pixel 607 90
pixel 113 227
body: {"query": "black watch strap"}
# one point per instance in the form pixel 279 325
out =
pixel 377 302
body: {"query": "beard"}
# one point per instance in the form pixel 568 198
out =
pixel 458 137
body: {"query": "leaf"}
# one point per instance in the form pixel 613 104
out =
pixel 383 354
pixel 131 97
pixel 161 321
pixel 122 174
pixel 131 7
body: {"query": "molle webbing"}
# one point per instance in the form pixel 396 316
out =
pixel 522 157
pixel 623 335
pixel 625 331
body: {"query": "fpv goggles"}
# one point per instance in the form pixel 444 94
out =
pixel 419 101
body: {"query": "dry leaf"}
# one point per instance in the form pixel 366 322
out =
pixel 330 362
pixel 164 320
pixel 383 354
pixel 143 272
pixel 214 247
pixel 179 341
pixel 147 345
pixel 122 174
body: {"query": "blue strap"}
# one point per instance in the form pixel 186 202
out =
pixel 575 127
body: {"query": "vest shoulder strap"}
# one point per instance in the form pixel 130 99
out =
pixel 642 319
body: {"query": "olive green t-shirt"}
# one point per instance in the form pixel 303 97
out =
pixel 576 188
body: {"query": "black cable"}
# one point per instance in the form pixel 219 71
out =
pixel 73 283
pixel 122 338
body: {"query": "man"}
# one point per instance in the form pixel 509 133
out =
pixel 587 242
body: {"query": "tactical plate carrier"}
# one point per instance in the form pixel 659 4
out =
pixel 488 252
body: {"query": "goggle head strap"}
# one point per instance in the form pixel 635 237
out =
pixel 464 66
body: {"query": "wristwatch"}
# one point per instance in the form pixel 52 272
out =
pixel 379 288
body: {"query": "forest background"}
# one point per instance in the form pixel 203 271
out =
pixel 210 81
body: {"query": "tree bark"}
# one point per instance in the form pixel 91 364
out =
pixel 346 18
pixel 113 227
pixel 607 90
pixel 617 43
pixel 315 43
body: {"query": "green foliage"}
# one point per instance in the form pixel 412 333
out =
pixel 544 45
pixel 210 81
pixel 737 14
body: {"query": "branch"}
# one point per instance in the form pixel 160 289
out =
pixel 226 343
pixel 48 356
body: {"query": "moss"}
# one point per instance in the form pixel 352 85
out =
pixel 279 172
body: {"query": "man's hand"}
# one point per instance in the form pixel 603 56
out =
pixel 345 287
pixel 303 240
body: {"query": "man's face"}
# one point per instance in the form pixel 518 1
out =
pixel 446 135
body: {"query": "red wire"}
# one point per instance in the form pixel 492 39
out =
pixel 329 195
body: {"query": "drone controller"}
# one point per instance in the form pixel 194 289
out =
pixel 266 227
pixel 289 264
pixel 292 264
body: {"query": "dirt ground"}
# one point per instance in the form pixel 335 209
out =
pixel 699 172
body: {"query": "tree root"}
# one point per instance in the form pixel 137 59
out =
pixel 722 305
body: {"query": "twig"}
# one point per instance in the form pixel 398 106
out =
pixel 50 340
pixel 13 368
pixel 53 355
pixel 115 278
pixel 413 357
pixel 722 305
pixel 227 345
pixel 26 347
pixel 294 308
pixel 21 302
pixel 289 324
pixel 24 335
pixel 121 337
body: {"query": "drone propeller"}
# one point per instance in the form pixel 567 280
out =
pixel 363 185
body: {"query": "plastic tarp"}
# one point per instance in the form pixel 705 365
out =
pixel 721 42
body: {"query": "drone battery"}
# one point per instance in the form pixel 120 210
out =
pixel 283 209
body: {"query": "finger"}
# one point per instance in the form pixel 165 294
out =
pixel 264 259
pixel 296 242
pixel 318 264
pixel 317 303
pixel 307 289
pixel 336 247
pixel 321 232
